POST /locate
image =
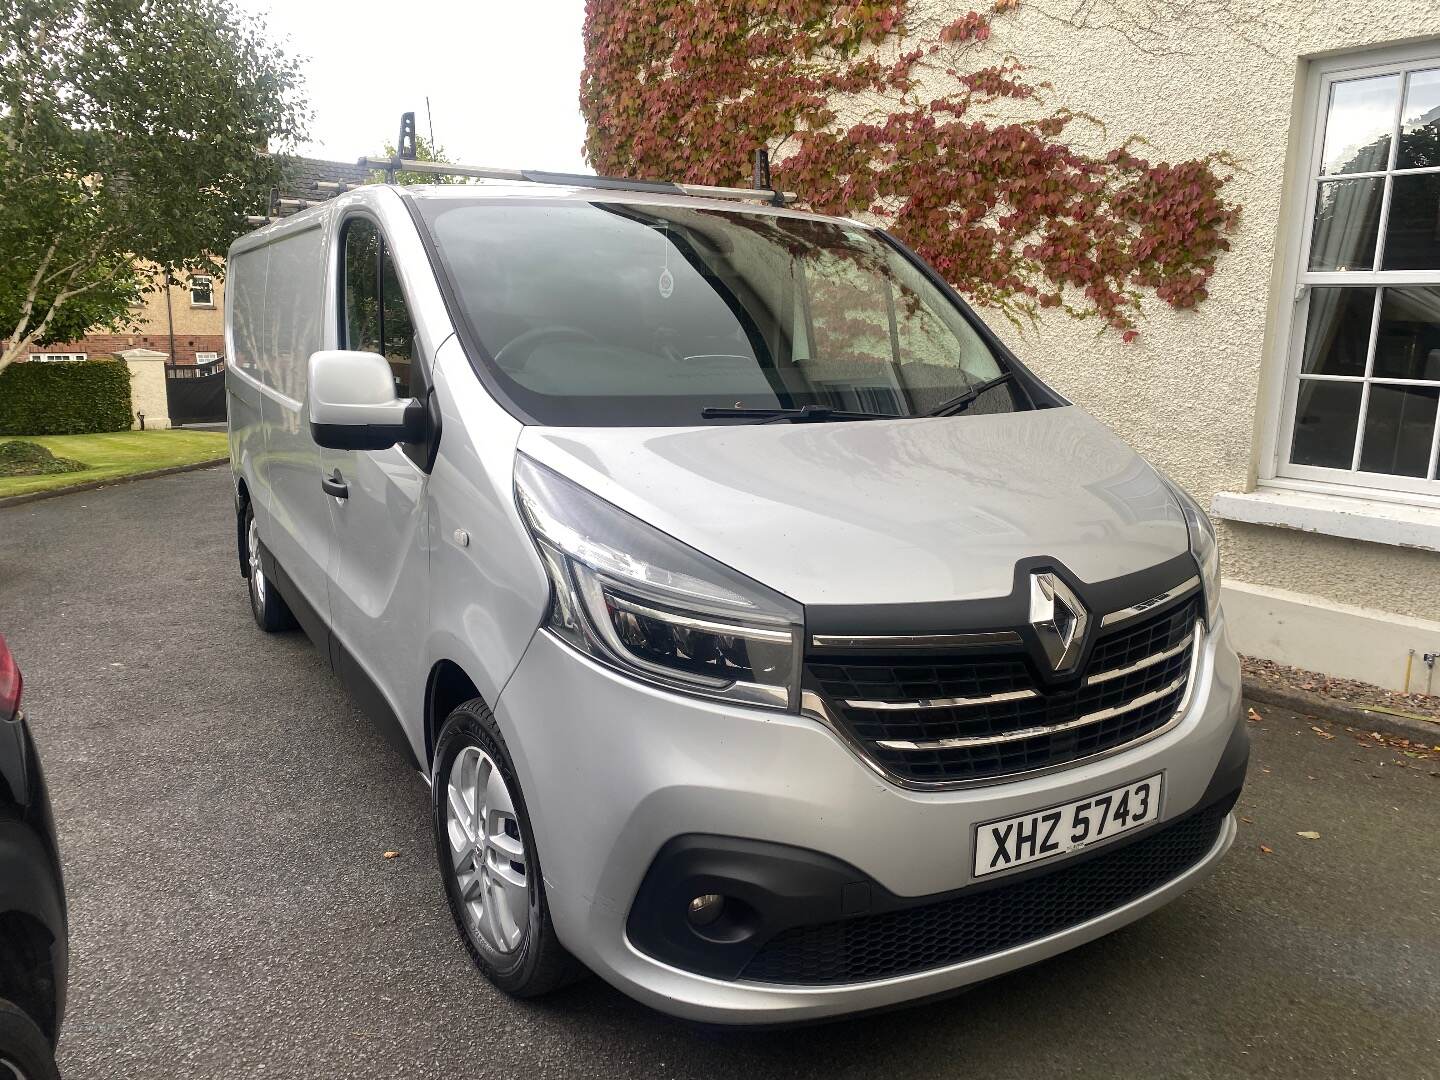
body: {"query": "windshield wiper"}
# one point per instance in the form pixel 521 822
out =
pixel 806 414
pixel 958 404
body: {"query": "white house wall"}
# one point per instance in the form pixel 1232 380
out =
pixel 1187 393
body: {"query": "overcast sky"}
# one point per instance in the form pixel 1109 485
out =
pixel 503 78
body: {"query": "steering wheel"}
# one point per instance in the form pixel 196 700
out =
pixel 514 355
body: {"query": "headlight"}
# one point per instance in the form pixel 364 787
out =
pixel 639 600
pixel 1204 548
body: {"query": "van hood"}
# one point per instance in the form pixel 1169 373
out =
pixel 886 511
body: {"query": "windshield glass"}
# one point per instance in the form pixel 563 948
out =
pixel 608 313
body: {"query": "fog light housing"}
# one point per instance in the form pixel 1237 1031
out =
pixel 705 910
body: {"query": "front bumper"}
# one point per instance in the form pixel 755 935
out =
pixel 613 770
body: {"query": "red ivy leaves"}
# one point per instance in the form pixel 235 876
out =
pixel 973 27
pixel 1009 212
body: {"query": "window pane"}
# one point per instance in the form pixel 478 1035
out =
pixel 398 331
pixel 362 301
pixel 1412 232
pixel 930 346
pixel 1337 331
pixel 848 311
pixel 1347 219
pixel 1409 339
pixel 1326 414
pixel 1398 425
pixel 1359 125
pixel 1420 121
pixel 850 362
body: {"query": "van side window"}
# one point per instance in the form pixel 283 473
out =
pixel 376 318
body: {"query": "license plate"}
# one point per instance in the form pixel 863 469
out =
pixel 1048 834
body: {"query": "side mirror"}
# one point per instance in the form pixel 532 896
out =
pixel 353 404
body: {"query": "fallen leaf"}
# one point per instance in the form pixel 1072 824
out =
pixel 1377 736
pixel 1321 732
pixel 1264 769
pixel 391 854
pixel 1254 717
pixel 1248 821
pixel 1266 850
pixel 1309 835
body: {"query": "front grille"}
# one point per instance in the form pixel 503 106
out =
pixel 941 719
pixel 979 923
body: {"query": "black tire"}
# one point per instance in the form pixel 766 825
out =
pixel 539 964
pixel 24 1049
pixel 270 610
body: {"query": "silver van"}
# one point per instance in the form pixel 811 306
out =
pixel 776 645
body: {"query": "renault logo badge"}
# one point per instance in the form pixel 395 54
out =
pixel 1059 619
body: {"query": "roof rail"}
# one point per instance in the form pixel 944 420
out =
pixel 390 166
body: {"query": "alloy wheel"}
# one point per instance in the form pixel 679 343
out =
pixel 487 853
pixel 257 575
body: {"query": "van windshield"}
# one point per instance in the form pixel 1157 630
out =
pixel 614 314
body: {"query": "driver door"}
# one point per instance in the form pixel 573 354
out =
pixel 378 582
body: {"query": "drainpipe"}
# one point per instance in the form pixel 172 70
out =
pixel 170 315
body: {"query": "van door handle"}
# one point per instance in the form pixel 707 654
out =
pixel 335 485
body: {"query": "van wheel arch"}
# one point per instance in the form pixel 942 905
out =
pixel 448 687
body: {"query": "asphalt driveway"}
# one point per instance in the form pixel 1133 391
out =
pixel 224 813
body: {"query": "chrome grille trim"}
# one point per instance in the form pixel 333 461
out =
pixel 1125 614
pixel 913 641
pixel 1141 665
pixel 1032 732
pixel 943 703
pixel 815 707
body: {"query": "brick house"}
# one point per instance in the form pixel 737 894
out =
pixel 186 320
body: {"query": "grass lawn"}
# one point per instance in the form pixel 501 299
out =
pixel 117 454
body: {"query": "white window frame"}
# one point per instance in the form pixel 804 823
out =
pixel 1275 469
pixel 58 357
pixel 210 284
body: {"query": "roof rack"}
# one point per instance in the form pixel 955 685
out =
pixel 390 166
pixel 405 161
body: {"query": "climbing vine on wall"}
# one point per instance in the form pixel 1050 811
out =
pixel 869 107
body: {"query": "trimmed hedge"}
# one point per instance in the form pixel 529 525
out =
pixel 20 458
pixel 65 398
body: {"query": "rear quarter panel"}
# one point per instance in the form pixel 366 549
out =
pixel 244 315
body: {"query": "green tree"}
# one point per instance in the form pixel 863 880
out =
pixel 424 151
pixel 133 135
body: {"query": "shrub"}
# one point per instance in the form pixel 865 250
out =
pixel 31 459
pixel 65 398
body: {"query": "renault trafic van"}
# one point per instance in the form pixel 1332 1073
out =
pixel 774 642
